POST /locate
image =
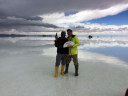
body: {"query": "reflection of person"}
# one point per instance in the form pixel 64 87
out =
pixel 61 53
pixel 73 52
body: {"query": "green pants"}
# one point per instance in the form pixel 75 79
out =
pixel 70 57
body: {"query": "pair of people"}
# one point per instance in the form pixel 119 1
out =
pixel 64 55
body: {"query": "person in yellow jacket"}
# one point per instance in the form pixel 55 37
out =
pixel 73 52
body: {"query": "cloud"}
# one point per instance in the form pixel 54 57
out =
pixel 102 42
pixel 58 18
pixel 24 24
pixel 25 14
pixel 13 21
pixel 94 28
pixel 36 7
pixel 73 21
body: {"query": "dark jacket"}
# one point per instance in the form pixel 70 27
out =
pixel 59 44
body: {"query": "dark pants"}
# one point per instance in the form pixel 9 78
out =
pixel 60 58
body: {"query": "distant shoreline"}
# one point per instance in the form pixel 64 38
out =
pixel 18 35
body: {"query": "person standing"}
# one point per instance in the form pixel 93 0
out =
pixel 73 52
pixel 61 53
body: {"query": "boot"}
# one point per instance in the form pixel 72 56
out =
pixel 66 70
pixel 56 71
pixel 62 70
pixel 76 70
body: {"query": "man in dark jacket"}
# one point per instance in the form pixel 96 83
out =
pixel 61 53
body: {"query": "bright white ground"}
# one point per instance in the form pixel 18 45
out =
pixel 31 73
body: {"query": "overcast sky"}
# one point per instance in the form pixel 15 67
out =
pixel 56 15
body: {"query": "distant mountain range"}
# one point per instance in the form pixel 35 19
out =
pixel 19 35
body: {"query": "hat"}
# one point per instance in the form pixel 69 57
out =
pixel 69 30
pixel 63 33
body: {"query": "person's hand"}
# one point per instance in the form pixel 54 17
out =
pixel 71 46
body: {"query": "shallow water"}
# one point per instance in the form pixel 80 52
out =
pixel 27 68
pixel 110 46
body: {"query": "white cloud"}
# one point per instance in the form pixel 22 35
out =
pixel 59 18
pixel 73 20
pixel 100 28
pixel 97 42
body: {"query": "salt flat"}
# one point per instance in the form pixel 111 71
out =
pixel 30 72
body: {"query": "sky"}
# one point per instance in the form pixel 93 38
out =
pixel 83 16
pixel 119 19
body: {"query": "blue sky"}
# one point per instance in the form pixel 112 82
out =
pixel 70 13
pixel 119 19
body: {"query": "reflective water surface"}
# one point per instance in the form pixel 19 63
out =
pixel 27 67
pixel 110 46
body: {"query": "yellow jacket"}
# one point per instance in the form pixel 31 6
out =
pixel 74 50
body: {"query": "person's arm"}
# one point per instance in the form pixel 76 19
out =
pixel 76 42
pixel 56 42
